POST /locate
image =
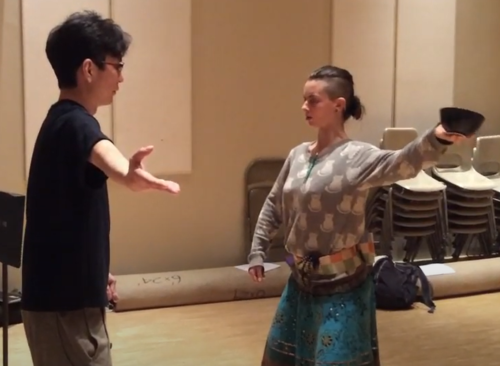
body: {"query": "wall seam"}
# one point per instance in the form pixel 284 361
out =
pixel 23 98
pixel 112 107
pixel 332 7
pixel 395 64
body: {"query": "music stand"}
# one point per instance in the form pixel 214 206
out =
pixel 11 243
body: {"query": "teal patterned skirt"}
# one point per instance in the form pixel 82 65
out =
pixel 313 330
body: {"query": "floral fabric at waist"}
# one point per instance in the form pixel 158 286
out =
pixel 314 269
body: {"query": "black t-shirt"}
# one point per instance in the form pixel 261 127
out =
pixel 66 244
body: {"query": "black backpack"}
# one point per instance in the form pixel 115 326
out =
pixel 396 285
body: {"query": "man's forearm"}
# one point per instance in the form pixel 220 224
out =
pixel 106 156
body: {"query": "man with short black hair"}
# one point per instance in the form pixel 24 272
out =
pixel 66 281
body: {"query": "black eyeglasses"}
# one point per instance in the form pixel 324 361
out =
pixel 117 65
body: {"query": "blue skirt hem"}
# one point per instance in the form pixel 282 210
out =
pixel 326 330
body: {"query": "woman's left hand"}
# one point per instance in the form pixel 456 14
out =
pixel 441 133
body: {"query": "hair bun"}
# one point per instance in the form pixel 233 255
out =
pixel 356 109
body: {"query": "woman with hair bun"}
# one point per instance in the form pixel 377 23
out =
pixel 326 315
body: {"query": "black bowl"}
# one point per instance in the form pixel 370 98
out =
pixel 462 121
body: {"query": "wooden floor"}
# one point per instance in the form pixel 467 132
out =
pixel 462 332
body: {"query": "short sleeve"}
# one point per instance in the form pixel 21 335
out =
pixel 82 133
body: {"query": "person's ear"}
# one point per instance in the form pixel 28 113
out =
pixel 340 104
pixel 88 69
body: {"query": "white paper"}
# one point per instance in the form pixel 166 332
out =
pixel 436 269
pixel 267 267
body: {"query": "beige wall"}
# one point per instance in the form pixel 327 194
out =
pixel 363 41
pixel 424 61
pixel 242 99
pixel 477 60
pixel 11 107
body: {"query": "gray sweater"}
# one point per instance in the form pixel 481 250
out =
pixel 321 199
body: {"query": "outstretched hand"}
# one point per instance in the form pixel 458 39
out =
pixel 441 133
pixel 141 180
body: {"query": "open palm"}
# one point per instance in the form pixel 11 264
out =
pixel 141 180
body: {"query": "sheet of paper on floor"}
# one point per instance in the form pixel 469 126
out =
pixel 267 267
pixel 436 269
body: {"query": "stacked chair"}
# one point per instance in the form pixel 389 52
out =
pixel 469 196
pixel 260 176
pixel 412 209
pixel 455 204
pixel 486 161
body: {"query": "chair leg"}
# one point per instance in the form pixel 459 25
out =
pixel 386 235
pixel 374 332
